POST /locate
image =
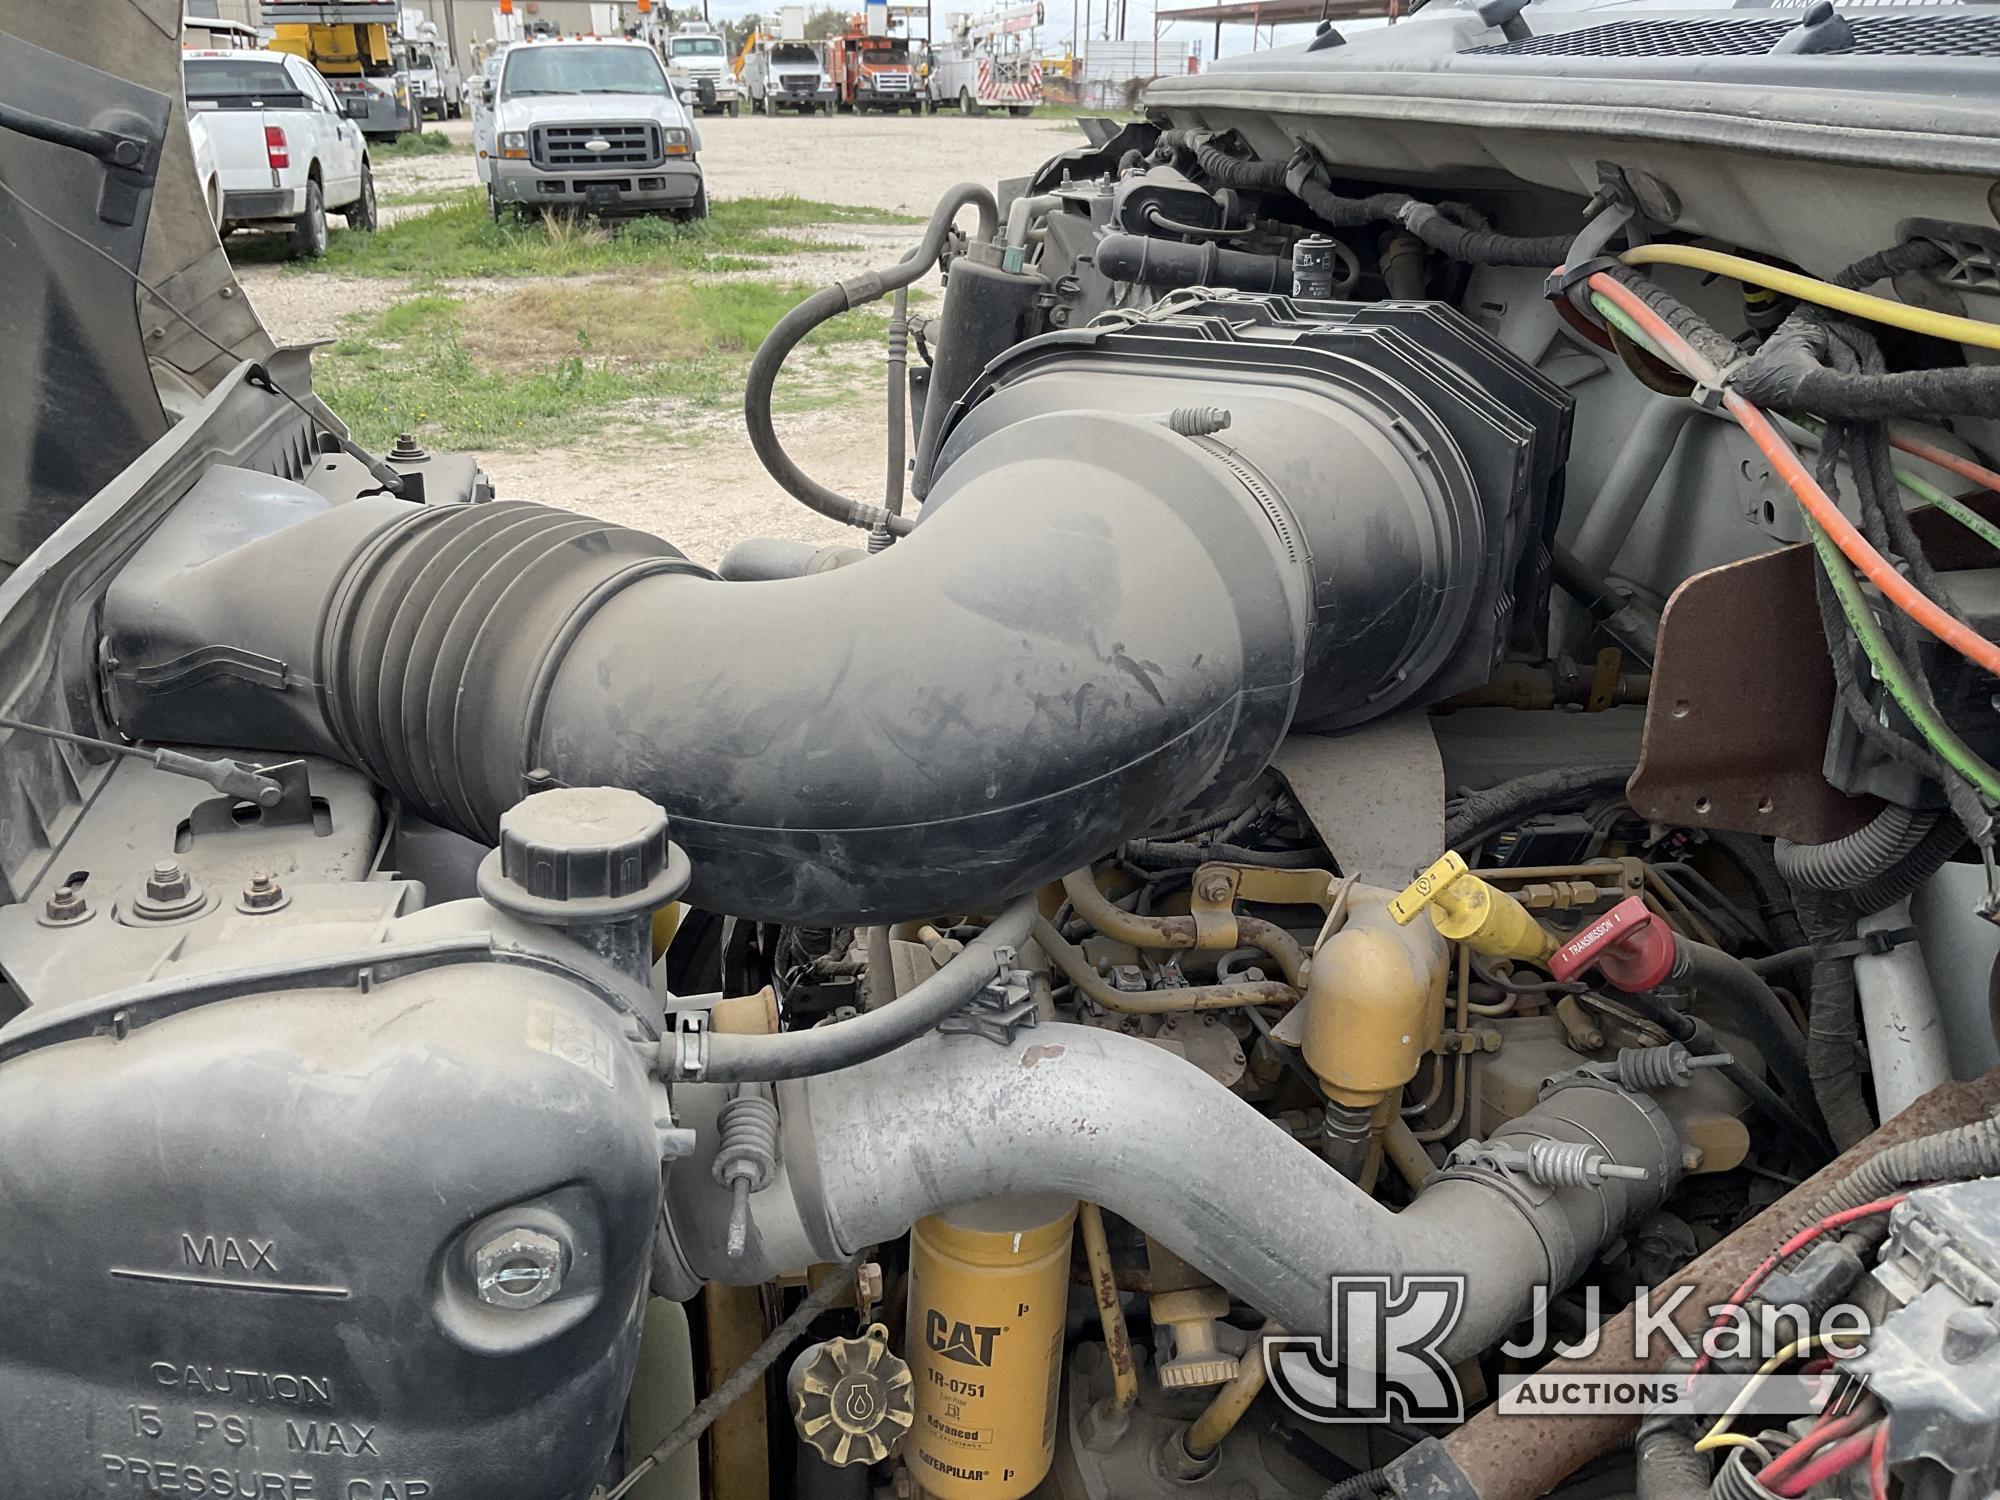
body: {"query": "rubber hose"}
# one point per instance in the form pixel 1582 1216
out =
pixel 1487 812
pixel 1852 861
pixel 828 303
pixel 1669 1468
pixel 1762 1014
pixel 1950 1156
pixel 1630 624
pixel 1156 262
pixel 1946 838
pixel 734 1058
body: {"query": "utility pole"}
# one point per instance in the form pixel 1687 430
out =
pixel 451 36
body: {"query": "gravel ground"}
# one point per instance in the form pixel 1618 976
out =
pixel 695 480
pixel 900 162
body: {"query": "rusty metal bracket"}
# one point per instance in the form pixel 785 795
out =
pixel 1742 699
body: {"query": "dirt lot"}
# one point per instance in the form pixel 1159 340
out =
pixel 689 474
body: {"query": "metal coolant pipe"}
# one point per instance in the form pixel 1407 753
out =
pixel 1114 1120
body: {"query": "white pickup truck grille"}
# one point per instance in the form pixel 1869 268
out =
pixel 571 146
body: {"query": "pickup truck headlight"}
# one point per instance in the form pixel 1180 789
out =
pixel 679 143
pixel 514 145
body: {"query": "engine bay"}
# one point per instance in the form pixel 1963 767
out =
pixel 1374 876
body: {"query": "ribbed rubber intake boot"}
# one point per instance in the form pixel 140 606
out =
pixel 1140 561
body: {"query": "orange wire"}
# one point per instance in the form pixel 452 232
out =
pixel 1964 468
pixel 1897 589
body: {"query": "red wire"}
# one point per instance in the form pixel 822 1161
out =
pixel 1790 1247
pixel 1837 1459
pixel 1897 589
pixel 1829 1429
pixel 1878 1464
pixel 1965 468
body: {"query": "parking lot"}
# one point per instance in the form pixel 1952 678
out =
pixel 602 369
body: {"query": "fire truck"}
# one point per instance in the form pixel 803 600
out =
pixel 991 62
pixel 872 70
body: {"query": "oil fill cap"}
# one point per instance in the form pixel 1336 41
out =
pixel 852 1398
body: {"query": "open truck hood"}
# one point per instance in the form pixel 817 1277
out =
pixel 103 368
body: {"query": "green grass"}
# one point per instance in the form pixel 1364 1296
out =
pixel 406 145
pixel 547 366
pixel 459 238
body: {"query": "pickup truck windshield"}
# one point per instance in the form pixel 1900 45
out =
pixel 242 83
pixel 795 53
pixel 582 70
pixel 880 51
pixel 697 46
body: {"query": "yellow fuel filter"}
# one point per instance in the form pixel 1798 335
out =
pixel 988 1286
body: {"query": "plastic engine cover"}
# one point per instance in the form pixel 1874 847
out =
pixel 246 1239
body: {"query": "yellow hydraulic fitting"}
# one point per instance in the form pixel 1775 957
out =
pixel 1467 910
pixel 1198 1359
pixel 1374 1002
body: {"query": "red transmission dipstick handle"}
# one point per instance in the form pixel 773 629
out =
pixel 1628 945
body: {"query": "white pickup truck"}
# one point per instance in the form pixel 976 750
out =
pixel 285 152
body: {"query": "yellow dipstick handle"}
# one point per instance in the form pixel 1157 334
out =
pixel 1465 909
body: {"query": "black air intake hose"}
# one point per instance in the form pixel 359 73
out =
pixel 1083 635
pixel 1129 577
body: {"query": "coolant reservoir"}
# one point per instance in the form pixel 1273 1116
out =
pixel 988 1284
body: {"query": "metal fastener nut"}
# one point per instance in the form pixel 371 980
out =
pixel 169 892
pixel 518 1268
pixel 1215 887
pixel 66 905
pixel 263 893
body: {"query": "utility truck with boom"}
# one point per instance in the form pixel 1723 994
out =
pixel 357 47
pixel 988 62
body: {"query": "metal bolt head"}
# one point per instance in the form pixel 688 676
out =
pixel 167 882
pixel 1214 887
pixel 518 1268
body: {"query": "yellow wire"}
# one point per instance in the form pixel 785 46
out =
pixel 1718 1435
pixel 1811 289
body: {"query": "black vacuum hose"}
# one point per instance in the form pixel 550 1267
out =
pixel 830 302
pixel 842 1044
pixel 1159 262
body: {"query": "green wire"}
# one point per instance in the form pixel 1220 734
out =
pixel 1889 667
pixel 1932 496
pixel 1617 317
pixel 1861 619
